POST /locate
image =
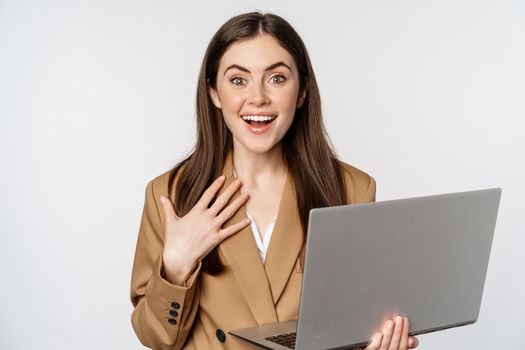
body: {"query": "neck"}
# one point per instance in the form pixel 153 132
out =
pixel 258 168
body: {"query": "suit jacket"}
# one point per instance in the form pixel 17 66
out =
pixel 199 314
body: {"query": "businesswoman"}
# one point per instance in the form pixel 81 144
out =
pixel 221 239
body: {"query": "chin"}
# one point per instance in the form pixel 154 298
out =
pixel 260 148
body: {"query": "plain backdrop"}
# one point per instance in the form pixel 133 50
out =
pixel 97 98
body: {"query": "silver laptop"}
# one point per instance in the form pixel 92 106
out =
pixel 425 258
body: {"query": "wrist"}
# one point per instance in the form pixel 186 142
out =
pixel 175 271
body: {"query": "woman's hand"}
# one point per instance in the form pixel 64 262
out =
pixel 189 239
pixel 393 336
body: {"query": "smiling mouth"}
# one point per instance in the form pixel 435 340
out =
pixel 258 120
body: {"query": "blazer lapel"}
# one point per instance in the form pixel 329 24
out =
pixel 286 242
pixel 241 251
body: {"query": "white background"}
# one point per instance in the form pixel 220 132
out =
pixel 97 98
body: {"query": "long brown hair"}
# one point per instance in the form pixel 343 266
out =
pixel 308 154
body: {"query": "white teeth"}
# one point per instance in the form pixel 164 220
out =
pixel 258 118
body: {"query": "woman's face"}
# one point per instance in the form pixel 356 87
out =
pixel 258 92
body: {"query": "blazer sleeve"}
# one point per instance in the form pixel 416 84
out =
pixel 163 312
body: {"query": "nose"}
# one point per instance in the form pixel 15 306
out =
pixel 258 95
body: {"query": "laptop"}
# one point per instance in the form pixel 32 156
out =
pixel 424 258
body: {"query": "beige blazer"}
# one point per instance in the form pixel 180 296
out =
pixel 248 293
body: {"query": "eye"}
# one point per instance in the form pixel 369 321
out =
pixel 277 79
pixel 238 81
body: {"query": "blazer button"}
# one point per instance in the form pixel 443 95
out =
pixel 174 313
pixel 172 321
pixel 220 335
pixel 175 305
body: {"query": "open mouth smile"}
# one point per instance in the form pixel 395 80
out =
pixel 258 120
pixel 258 123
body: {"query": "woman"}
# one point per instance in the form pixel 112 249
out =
pixel 204 262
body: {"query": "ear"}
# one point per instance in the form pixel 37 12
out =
pixel 215 97
pixel 301 98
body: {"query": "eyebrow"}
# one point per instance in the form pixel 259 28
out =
pixel 270 67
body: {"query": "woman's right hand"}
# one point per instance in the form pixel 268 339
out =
pixel 189 239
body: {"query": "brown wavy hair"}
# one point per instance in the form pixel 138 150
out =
pixel 308 154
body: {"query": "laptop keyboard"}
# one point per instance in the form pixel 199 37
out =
pixel 287 339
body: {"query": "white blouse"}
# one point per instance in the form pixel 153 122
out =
pixel 262 245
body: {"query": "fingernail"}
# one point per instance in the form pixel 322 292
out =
pixel 389 324
pixel 222 178
pixel 399 321
pixel 162 200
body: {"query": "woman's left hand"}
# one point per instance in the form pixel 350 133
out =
pixel 393 336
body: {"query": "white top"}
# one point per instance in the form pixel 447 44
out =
pixel 262 245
